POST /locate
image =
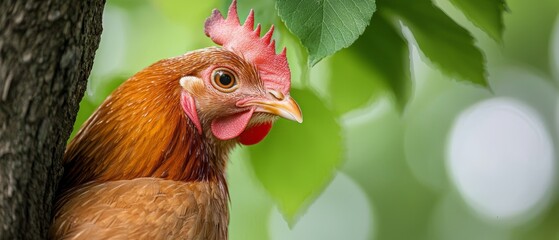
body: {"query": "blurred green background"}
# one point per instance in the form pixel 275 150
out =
pixel 460 162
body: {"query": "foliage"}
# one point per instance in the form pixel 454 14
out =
pixel 485 14
pixel 325 27
pixel 293 176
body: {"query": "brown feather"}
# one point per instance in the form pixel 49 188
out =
pixel 144 208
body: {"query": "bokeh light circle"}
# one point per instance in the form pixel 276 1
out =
pixel 342 211
pixel 500 157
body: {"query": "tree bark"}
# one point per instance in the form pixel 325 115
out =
pixel 46 54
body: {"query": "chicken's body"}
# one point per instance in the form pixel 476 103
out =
pixel 145 208
pixel 150 162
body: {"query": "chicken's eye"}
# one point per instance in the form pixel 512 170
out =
pixel 224 80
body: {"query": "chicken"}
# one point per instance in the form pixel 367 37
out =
pixel 150 162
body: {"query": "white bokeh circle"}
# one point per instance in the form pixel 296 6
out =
pixel 501 159
pixel 342 211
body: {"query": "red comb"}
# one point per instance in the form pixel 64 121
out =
pixel 246 41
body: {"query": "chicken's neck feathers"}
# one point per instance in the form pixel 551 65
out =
pixel 141 131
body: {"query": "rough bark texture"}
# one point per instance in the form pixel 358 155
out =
pixel 46 54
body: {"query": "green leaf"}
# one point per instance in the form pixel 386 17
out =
pixel 353 83
pixel 326 26
pixel 296 160
pixel 385 51
pixel 486 14
pixel 443 41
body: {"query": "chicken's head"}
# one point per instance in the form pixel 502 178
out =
pixel 244 86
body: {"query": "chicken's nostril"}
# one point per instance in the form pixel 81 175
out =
pixel 276 94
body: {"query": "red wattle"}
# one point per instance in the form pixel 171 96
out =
pixel 231 126
pixel 255 134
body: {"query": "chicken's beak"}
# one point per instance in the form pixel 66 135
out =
pixel 284 107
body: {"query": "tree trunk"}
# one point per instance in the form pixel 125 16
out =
pixel 46 54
